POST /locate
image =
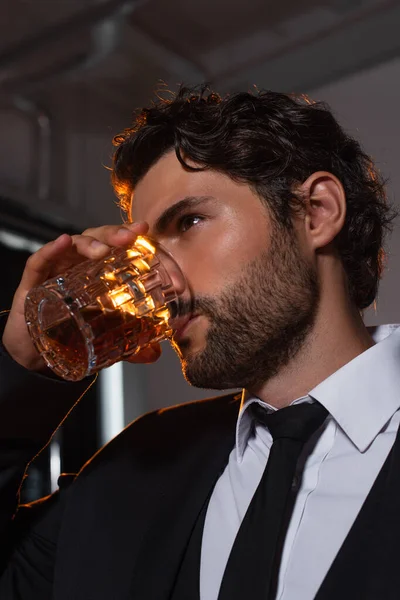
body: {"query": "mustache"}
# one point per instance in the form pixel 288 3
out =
pixel 198 305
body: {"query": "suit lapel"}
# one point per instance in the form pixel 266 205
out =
pixel 185 493
pixel 130 513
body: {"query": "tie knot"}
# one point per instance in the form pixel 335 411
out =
pixel 297 422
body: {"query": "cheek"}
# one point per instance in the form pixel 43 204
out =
pixel 213 261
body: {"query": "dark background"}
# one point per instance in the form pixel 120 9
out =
pixel 78 436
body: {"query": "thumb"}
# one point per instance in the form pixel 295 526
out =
pixel 149 354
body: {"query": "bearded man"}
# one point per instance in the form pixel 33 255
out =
pixel 290 490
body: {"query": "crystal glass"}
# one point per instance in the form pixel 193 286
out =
pixel 103 311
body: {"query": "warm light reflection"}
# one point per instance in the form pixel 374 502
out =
pixel 141 265
pixel 124 301
pixel 141 241
pixel 119 297
pixel 163 315
pixel 145 306
pixel 132 253
pixel 129 308
pixel 109 275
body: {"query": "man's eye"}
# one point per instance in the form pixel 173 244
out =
pixel 188 221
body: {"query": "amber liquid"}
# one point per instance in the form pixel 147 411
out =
pixel 112 332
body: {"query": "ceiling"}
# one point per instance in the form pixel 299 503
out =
pixel 120 49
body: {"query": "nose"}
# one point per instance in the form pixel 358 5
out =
pixel 179 282
pixel 178 279
pixel 173 269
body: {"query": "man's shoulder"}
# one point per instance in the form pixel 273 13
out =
pixel 166 433
pixel 215 412
pixel 217 406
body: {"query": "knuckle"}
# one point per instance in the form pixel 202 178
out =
pixel 99 231
pixel 113 230
pixel 75 238
pixel 88 232
pixel 32 259
pixel 83 240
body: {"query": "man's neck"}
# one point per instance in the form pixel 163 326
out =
pixel 334 341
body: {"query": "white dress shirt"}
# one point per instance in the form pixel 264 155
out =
pixel 341 463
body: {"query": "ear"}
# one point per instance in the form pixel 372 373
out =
pixel 324 208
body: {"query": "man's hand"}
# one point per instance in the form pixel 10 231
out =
pixel 54 259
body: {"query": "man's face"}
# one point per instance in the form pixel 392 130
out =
pixel 255 294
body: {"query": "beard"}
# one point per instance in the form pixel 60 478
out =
pixel 258 324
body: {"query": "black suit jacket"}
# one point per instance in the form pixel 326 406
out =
pixel 118 531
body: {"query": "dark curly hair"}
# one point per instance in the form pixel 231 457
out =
pixel 273 142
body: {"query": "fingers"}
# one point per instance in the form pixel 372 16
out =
pixel 55 258
pixel 39 265
pixel 105 231
pixel 116 235
pixel 149 354
pixel 67 250
pixel 97 241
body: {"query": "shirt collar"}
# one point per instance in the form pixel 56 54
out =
pixel 361 396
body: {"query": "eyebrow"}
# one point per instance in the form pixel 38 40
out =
pixel 174 211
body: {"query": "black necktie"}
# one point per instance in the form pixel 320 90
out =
pixel 253 565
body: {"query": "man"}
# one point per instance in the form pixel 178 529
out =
pixel 276 217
